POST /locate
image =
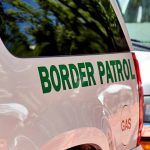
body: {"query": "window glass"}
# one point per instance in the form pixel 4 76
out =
pixel 31 28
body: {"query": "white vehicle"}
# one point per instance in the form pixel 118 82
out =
pixel 68 80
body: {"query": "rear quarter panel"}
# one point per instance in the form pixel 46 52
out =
pixel 104 114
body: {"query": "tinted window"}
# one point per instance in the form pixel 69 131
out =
pixel 31 28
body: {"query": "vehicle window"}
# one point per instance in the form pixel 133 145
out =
pixel 31 28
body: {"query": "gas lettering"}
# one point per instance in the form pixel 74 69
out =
pixel 126 124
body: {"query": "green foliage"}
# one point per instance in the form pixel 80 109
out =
pixel 59 27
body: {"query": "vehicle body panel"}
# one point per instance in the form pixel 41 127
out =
pixel 53 113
